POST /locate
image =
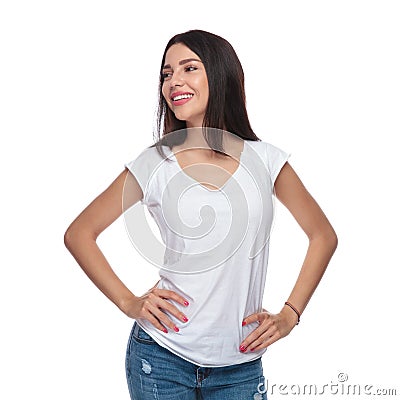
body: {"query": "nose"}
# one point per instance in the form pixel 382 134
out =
pixel 176 80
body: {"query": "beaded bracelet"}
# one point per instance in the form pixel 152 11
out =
pixel 295 310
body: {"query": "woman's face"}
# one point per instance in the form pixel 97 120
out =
pixel 185 86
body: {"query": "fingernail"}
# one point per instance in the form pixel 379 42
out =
pixel 242 348
pixel 185 319
pixel 243 323
pixel 165 330
pixel 186 303
pixel 176 329
pixel 251 349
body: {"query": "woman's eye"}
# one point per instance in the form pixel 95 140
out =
pixel 190 68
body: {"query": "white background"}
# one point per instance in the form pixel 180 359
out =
pixel 78 85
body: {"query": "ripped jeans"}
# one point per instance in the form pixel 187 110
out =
pixel 154 373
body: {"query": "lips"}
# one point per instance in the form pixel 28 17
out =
pixel 180 98
pixel 179 95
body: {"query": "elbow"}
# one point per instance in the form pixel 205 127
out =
pixel 326 238
pixel 71 234
pixel 68 237
pixel 77 233
pixel 334 241
pixel 331 240
pixel 332 237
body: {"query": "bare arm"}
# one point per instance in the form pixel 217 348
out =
pixel 321 235
pixel 80 239
pixel 322 244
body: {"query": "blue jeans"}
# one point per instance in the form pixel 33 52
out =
pixel 155 373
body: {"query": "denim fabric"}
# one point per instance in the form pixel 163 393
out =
pixel 155 373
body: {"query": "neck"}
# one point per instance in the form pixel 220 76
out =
pixel 195 139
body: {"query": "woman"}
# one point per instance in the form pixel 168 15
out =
pixel 201 330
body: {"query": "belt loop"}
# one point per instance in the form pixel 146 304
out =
pixel 136 328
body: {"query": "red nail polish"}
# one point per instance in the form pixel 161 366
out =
pixel 251 349
pixel 176 329
pixel 244 323
pixel 185 319
pixel 242 348
pixel 165 330
pixel 186 303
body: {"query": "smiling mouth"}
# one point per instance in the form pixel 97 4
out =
pixel 182 97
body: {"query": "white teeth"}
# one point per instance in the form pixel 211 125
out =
pixel 182 96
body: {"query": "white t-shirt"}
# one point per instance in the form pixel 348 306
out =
pixel 216 245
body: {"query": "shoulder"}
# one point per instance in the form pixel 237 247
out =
pixel 261 144
pixel 273 157
pixel 151 156
pixel 267 150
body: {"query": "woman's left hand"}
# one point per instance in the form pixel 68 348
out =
pixel 272 327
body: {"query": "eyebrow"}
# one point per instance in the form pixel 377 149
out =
pixel 186 60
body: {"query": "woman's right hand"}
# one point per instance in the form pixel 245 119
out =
pixel 150 306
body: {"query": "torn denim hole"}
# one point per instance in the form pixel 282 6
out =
pixel 146 367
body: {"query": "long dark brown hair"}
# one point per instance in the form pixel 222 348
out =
pixel 226 107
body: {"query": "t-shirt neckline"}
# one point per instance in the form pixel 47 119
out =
pixel 233 176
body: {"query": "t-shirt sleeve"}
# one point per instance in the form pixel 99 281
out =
pixel 276 159
pixel 142 168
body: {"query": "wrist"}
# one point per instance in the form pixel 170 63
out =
pixel 126 305
pixel 291 313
